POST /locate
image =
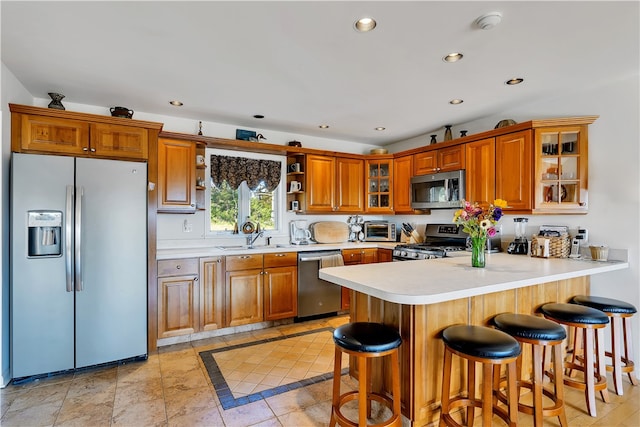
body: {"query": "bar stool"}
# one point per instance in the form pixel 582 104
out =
pixel 493 349
pixel 591 323
pixel 542 334
pixel 619 313
pixel 365 341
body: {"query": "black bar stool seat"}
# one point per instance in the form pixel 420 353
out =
pixel 620 314
pixel 591 323
pixel 491 348
pixel 365 341
pixel 540 334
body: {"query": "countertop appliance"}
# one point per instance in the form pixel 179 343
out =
pixel 520 246
pixel 79 262
pixel 442 190
pixel 438 240
pixel 299 233
pixel 317 297
pixel 379 231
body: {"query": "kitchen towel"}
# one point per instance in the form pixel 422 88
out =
pixel 331 261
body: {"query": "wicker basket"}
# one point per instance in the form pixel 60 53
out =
pixel 559 247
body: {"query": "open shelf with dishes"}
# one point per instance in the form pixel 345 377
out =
pixel 296 184
pixel 201 176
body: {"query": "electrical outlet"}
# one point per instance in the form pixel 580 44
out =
pixel 187 227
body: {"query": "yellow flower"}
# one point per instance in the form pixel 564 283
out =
pixel 457 214
pixel 500 203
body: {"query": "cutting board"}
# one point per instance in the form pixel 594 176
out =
pixel 329 231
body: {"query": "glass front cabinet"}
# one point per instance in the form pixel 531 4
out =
pixel 561 169
pixel 379 185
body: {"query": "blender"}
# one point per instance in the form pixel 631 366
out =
pixel 520 246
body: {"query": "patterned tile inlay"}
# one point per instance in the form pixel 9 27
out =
pixel 249 372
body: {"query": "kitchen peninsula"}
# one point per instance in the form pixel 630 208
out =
pixel 421 298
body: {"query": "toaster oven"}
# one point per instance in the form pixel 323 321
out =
pixel 379 231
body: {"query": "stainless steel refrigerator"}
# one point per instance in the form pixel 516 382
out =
pixel 78 262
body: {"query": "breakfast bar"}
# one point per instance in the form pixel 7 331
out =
pixel 421 298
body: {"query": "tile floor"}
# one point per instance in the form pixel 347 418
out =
pixel 172 388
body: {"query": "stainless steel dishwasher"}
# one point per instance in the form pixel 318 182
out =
pixel 316 296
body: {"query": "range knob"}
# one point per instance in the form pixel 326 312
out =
pixel 415 254
pixel 403 253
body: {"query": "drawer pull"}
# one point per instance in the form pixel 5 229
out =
pixel 281 255
pixel 178 267
pixel 244 256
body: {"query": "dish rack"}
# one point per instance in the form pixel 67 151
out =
pixel 559 246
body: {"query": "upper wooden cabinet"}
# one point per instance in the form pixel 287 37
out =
pixel 442 160
pixel 379 185
pixel 49 131
pixel 561 169
pixel 480 171
pixel 514 163
pixel 402 173
pixel 334 184
pixel 176 176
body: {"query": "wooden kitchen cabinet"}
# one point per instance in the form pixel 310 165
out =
pixel 480 171
pixel 178 297
pixel 51 131
pixel 176 176
pixel 244 301
pixel 211 293
pixel 560 176
pixel 379 185
pixel 513 170
pixel 334 184
pixel 385 255
pixel 402 173
pixel 280 285
pixel 353 257
pixel 441 160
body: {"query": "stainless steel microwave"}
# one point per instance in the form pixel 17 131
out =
pixel 442 190
pixel 379 231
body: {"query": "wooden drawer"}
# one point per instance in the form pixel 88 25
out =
pixel 177 267
pixel 352 256
pixel 282 259
pixel 243 262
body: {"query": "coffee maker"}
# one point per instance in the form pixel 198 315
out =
pixel 299 233
pixel 520 246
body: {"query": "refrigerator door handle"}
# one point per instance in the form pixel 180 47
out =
pixel 78 238
pixel 68 233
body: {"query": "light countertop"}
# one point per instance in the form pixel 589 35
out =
pixel 437 280
pixel 261 249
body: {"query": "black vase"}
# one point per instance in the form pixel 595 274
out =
pixel 56 99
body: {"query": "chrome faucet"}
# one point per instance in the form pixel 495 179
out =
pixel 251 239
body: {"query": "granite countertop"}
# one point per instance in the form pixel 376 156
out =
pixel 437 280
pixel 213 251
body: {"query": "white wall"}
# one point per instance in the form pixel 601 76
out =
pixel 614 177
pixel 11 90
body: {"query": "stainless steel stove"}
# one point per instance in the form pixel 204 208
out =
pixel 439 240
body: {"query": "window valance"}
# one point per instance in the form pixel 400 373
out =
pixel 234 170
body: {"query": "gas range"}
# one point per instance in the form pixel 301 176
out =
pixel 439 240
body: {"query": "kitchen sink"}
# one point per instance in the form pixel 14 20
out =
pixel 234 247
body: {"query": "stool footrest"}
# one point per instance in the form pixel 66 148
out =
pixel 353 395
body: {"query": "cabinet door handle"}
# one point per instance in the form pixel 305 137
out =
pixel 195 279
pixel 85 149
pixel 93 150
pixel 218 260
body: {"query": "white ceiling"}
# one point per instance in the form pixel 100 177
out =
pixel 301 63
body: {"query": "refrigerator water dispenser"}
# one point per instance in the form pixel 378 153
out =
pixel 45 228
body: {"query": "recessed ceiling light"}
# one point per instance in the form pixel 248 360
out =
pixel 515 81
pixel 176 103
pixel 453 57
pixel 380 128
pixel 456 101
pixel 324 126
pixel 365 24
pixel 258 116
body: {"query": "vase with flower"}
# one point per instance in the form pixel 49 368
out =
pixel 479 223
